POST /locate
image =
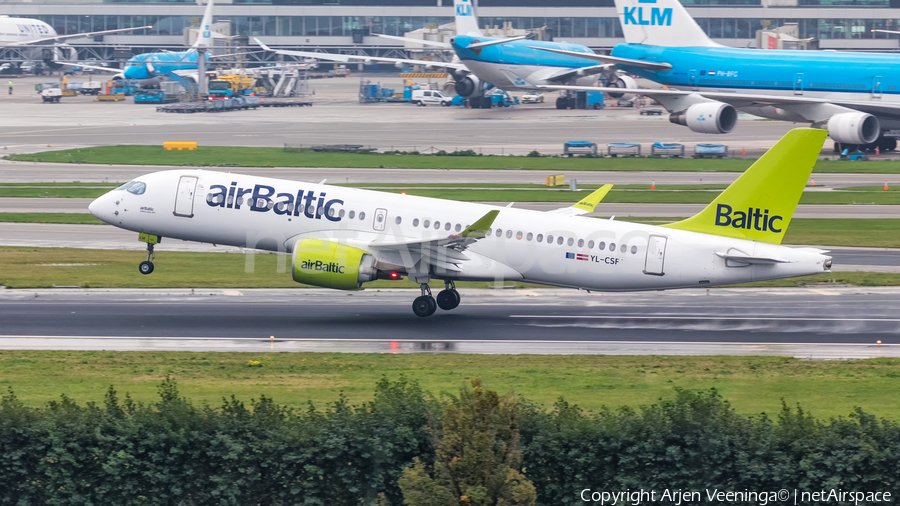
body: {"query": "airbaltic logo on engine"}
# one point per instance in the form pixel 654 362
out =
pixel 321 266
pixel 754 219
pixel 263 199
pixel 658 17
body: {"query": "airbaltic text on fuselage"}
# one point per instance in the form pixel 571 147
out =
pixel 264 198
pixel 753 219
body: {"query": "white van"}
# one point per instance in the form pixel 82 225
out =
pixel 425 97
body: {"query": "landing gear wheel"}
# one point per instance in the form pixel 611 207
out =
pixel 146 267
pixel 448 299
pixel 424 305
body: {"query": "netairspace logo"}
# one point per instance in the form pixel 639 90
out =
pixel 658 17
pixel 678 497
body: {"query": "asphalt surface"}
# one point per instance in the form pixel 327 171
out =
pixel 812 323
pixel 34 172
pixel 337 117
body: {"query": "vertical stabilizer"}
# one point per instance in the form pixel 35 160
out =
pixel 466 21
pixel 204 34
pixel 660 23
pixel 759 205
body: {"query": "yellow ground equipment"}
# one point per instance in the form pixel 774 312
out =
pixel 179 145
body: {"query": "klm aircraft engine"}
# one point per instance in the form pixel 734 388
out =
pixel 623 82
pixel 854 128
pixel 469 86
pixel 707 118
pixel 332 265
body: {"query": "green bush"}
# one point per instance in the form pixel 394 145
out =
pixel 172 452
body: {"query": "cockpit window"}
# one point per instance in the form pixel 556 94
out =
pixel 138 188
pixel 125 186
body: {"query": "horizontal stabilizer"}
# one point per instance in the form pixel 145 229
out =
pixel 750 260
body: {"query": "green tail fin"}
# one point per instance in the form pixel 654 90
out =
pixel 759 205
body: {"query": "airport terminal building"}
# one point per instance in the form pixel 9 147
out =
pixel 343 25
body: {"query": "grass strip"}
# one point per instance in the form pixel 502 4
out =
pixel 231 156
pixel 63 218
pixel 28 267
pixel 752 384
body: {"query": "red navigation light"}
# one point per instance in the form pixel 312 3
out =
pixel 394 275
pixel 402 193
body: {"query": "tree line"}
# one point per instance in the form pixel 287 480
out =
pixel 408 448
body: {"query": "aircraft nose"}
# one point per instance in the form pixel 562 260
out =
pixel 100 208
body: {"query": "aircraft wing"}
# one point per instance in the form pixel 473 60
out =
pixel 90 67
pixel 585 205
pixel 566 74
pixel 60 38
pixel 444 253
pixel 346 58
pixel 605 58
pixel 435 43
pixel 739 100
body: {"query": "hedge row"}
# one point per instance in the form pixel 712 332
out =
pixel 172 452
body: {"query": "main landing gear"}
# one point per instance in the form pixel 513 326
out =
pixel 447 299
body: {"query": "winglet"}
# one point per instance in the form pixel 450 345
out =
pixel 589 203
pixel 261 44
pixel 478 230
pixel 759 205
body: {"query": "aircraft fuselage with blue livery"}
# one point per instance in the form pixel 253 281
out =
pixel 145 66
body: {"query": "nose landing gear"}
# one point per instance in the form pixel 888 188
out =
pixel 146 267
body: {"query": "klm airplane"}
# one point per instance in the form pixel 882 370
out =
pixel 181 63
pixel 511 64
pixel 855 96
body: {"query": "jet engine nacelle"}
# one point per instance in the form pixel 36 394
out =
pixel 707 118
pixel 623 82
pixel 332 265
pixel 469 86
pixel 854 128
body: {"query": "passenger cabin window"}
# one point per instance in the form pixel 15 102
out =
pixel 398 220
pixel 362 215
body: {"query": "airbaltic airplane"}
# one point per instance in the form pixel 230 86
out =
pixel 34 36
pixel 855 96
pixel 344 237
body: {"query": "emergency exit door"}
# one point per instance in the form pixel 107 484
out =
pixel 380 218
pixel 656 255
pixel 184 196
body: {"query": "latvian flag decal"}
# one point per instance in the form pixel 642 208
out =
pixel 577 256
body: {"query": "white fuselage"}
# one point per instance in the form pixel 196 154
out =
pixel 19 30
pixel 584 252
pixel 511 77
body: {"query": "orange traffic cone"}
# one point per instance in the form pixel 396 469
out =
pixel 653 185
pixel 743 152
pixel 877 151
pixel 813 182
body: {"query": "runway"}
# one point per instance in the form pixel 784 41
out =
pixel 808 323
pixel 35 172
